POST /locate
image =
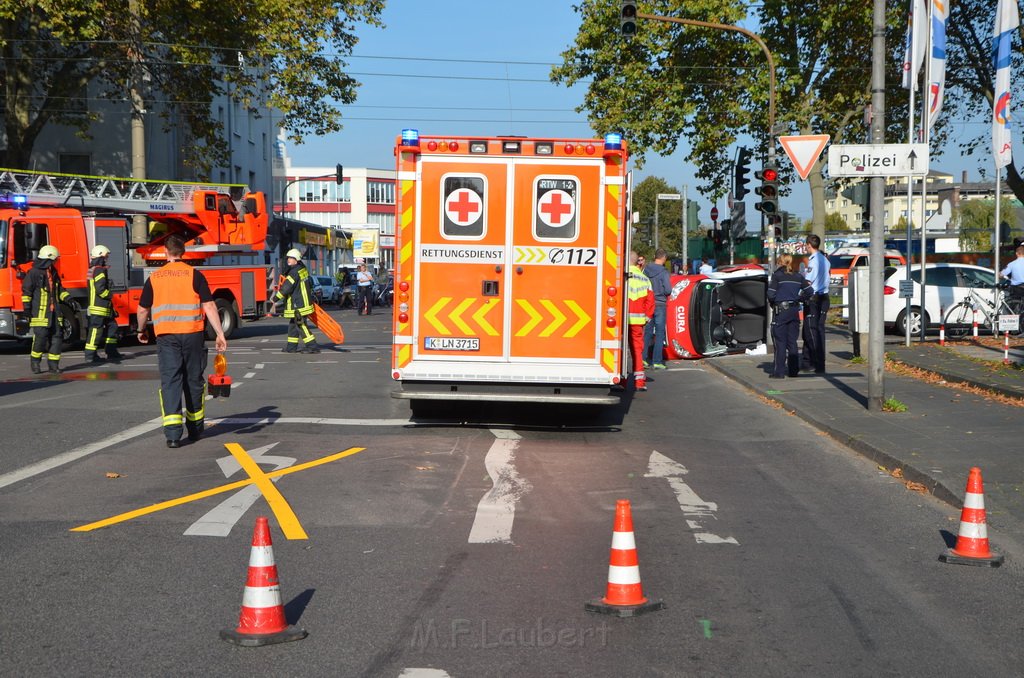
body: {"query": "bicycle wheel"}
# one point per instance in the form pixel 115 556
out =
pixel 1016 305
pixel 959 320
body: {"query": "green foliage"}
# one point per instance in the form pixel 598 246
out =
pixel 286 55
pixel 974 220
pixel 893 405
pixel 835 223
pixel 709 85
pixel 670 220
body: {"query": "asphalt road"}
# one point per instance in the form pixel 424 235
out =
pixel 466 546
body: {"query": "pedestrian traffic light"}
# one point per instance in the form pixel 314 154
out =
pixel 339 176
pixel 627 19
pixel 768 190
pixel 780 226
pixel 740 171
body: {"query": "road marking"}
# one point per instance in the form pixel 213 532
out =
pixel 249 375
pixel 497 509
pixel 120 518
pixel 78 453
pixel 286 518
pixel 309 420
pixel 258 366
pixel 660 466
pixel 219 521
pixel 423 673
pixel 23 403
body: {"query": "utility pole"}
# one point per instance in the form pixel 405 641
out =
pixel 876 357
pixel 686 224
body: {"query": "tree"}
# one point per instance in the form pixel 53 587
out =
pixel 973 220
pixel 709 86
pixel 835 223
pixel 278 54
pixel 669 213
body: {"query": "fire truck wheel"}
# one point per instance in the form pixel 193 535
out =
pixel 70 327
pixel 228 319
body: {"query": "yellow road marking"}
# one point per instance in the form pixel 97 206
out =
pixel 214 491
pixel 286 518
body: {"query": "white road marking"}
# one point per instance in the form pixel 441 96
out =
pixel 423 673
pixel 660 466
pixel 218 521
pixel 258 366
pixel 497 509
pixel 249 375
pixel 22 403
pixel 77 453
pixel 308 420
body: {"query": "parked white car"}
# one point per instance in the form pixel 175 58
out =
pixel 947 284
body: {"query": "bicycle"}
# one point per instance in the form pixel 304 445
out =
pixel 960 318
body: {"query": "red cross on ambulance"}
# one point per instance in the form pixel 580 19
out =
pixel 556 208
pixel 463 207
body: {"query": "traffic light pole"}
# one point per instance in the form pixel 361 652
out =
pixel 771 97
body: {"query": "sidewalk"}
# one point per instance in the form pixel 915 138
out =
pixel 945 430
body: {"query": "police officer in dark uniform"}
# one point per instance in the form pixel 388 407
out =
pixel 785 292
pixel 41 294
pixel 102 326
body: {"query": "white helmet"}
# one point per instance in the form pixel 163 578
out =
pixel 294 254
pixel 99 251
pixel 48 252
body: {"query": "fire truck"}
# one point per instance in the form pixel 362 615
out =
pixel 511 256
pixel 75 213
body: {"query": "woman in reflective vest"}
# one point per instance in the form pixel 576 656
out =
pixel 640 295
pixel 41 294
pixel 297 293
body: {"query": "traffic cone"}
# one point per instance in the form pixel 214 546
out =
pixel 262 619
pixel 972 541
pixel 624 595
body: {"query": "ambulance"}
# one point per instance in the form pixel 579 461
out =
pixel 510 263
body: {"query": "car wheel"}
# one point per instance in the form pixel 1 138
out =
pixel 70 326
pixel 915 321
pixel 228 319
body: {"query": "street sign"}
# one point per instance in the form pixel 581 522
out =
pixel 804 151
pixel 669 196
pixel 878 160
pixel 1009 323
pixel 714 214
pixel 906 289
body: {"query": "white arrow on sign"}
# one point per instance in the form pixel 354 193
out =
pixel 803 151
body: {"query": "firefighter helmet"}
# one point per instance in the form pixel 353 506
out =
pixel 48 252
pixel 294 254
pixel 99 251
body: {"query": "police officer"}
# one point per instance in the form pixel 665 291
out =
pixel 41 294
pixel 1014 272
pixel 102 326
pixel 178 296
pixel 297 294
pixel 785 292
pixel 816 310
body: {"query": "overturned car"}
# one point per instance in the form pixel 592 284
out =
pixel 722 313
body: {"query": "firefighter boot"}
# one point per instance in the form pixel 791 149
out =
pixel 37 367
pixel 54 366
pixel 91 357
pixel 113 354
pixel 310 348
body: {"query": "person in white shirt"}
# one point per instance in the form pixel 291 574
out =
pixel 705 267
pixel 364 279
pixel 815 311
pixel 1014 272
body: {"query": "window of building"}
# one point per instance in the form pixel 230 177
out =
pixel 380 192
pixel 385 221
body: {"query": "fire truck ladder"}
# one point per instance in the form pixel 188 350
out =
pixel 122 195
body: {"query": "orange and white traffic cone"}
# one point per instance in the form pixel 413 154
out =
pixel 262 620
pixel 972 541
pixel 624 595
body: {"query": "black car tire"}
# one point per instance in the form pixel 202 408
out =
pixel 915 320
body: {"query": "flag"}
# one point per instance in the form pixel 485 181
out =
pixel 1007 21
pixel 917 38
pixel 937 64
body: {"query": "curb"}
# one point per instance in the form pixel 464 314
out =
pixel 875 454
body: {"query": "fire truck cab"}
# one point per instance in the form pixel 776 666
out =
pixel 510 265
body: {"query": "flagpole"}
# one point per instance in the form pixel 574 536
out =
pixel 910 208
pixel 995 237
pixel 924 180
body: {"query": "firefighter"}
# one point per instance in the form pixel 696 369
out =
pixel 178 297
pixel 102 326
pixel 641 309
pixel 297 294
pixel 41 294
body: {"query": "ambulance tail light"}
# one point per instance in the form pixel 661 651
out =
pixel 613 318
pixel 410 137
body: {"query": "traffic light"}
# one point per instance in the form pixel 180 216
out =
pixel 339 176
pixel 768 190
pixel 781 226
pixel 627 19
pixel 740 170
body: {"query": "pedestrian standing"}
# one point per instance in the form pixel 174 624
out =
pixel 640 297
pixel 785 292
pixel 705 267
pixel 1014 272
pixel 296 292
pixel 177 296
pixel 41 294
pixel 816 310
pixel 102 326
pixel 654 332
pixel 364 279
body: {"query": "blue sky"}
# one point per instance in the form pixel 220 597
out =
pixel 481 68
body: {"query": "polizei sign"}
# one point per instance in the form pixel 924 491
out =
pixel 878 160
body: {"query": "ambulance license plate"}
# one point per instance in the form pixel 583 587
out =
pixel 451 344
